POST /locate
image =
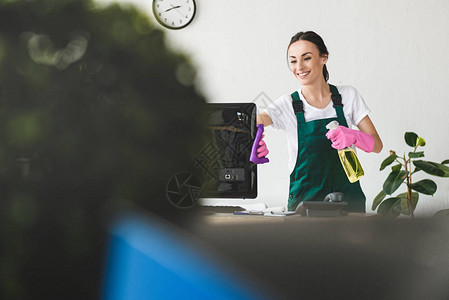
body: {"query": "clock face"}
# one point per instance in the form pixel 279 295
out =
pixel 174 14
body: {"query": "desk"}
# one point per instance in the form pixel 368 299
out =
pixel 228 218
pixel 353 257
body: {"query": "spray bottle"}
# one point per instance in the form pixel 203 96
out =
pixel 348 158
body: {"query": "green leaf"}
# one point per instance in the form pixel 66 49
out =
pixel 393 181
pixel 442 167
pixel 404 202
pixel 378 200
pixel 396 167
pixel 416 169
pixel 420 141
pixel 411 138
pixel 429 168
pixel 388 161
pixel 390 207
pixel 415 195
pixel 445 162
pixel 416 154
pixel 425 186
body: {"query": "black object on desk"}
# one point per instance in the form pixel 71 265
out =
pixel 219 209
pixel 332 206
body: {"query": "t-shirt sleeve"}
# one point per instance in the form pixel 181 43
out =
pixel 359 107
pixel 277 111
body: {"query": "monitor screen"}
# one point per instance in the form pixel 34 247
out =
pixel 229 136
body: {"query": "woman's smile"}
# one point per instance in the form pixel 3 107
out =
pixel 303 74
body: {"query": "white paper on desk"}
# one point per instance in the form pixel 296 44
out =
pixel 279 213
pixel 274 209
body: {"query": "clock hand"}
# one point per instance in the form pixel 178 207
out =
pixel 173 7
pixel 178 10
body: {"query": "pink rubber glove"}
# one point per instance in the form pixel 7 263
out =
pixel 262 151
pixel 259 149
pixel 343 137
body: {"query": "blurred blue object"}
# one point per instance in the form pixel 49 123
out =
pixel 148 259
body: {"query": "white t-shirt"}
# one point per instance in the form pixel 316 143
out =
pixel 282 114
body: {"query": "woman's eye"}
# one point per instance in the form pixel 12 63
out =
pixel 307 58
pixel 293 61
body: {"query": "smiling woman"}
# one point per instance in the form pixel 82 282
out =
pixel 314 46
pixel 313 159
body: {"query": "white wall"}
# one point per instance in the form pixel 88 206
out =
pixel 393 52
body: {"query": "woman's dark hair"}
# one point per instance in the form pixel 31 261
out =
pixel 317 40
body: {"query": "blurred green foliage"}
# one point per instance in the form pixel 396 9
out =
pixel 95 114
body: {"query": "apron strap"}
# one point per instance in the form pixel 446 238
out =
pixel 298 107
pixel 336 97
pixel 297 103
pixel 338 105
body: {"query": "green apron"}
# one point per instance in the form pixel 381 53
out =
pixel 318 170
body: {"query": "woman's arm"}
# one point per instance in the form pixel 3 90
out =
pixel 264 118
pixel 368 127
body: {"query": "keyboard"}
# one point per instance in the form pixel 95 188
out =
pixel 218 209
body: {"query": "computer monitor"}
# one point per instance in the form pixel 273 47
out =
pixel 226 171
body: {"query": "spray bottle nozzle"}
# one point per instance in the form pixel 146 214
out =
pixel 332 125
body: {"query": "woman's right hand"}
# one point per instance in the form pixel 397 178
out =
pixel 259 149
pixel 262 151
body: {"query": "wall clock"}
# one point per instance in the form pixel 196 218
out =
pixel 174 14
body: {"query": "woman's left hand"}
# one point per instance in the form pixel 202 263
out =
pixel 343 137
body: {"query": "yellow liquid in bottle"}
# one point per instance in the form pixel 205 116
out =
pixel 351 164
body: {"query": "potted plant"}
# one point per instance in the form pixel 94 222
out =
pixel 401 172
